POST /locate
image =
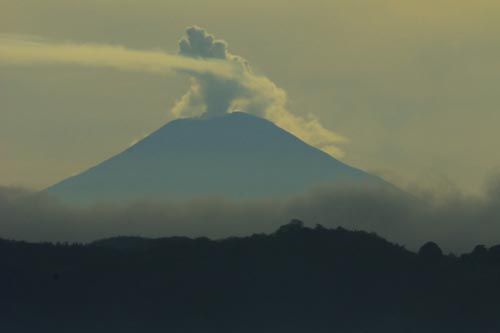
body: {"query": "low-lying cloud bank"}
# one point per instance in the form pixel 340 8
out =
pixel 456 221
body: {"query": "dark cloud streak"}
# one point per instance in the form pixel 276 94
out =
pixel 457 222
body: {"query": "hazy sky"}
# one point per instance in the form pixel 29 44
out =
pixel 413 85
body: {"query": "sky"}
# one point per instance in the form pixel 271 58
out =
pixel 412 86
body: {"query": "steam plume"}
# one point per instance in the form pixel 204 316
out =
pixel 221 82
pixel 211 94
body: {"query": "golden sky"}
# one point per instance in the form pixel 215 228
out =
pixel 413 85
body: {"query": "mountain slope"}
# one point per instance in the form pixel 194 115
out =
pixel 236 155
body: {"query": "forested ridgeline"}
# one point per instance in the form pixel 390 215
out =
pixel 297 279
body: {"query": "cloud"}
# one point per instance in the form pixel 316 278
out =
pixel 212 95
pixel 199 43
pixel 18 50
pixel 456 221
pixel 220 81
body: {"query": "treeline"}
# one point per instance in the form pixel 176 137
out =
pixel 297 279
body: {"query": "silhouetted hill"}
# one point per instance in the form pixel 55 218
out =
pixel 297 279
pixel 236 156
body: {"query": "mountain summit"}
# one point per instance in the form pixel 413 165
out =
pixel 236 155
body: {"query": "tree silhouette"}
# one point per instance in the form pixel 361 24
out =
pixel 296 280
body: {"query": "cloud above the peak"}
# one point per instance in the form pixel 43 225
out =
pixel 212 95
pixel 22 51
pixel 199 43
pixel 221 82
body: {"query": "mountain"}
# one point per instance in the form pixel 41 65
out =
pixel 236 155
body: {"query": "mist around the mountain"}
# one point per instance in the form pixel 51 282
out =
pixel 455 220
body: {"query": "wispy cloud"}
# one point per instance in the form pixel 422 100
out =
pixel 221 81
pixel 20 50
